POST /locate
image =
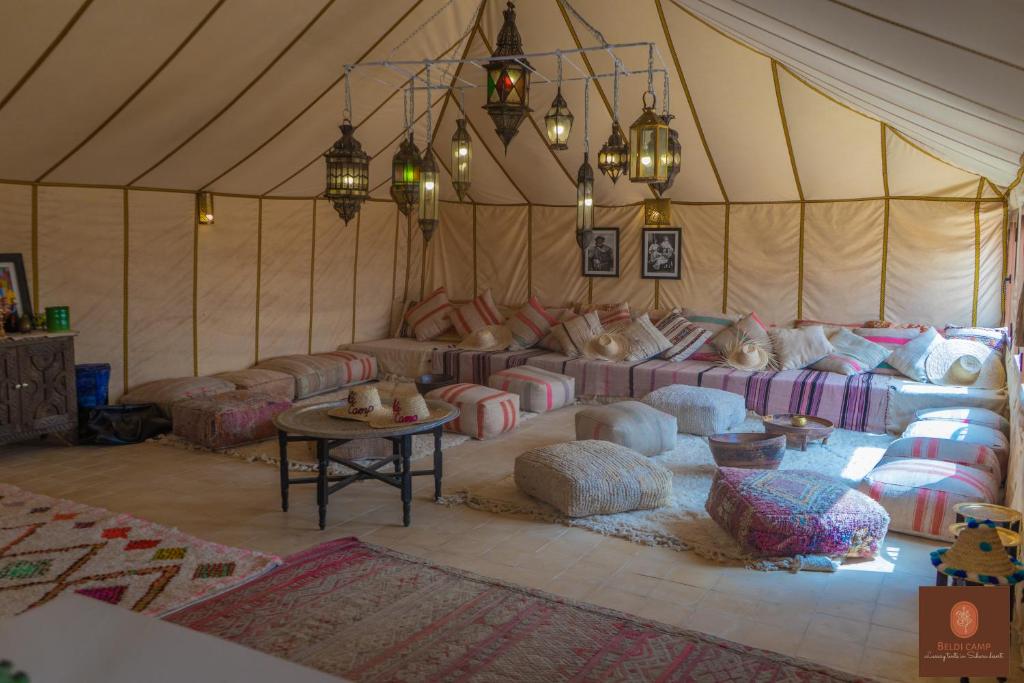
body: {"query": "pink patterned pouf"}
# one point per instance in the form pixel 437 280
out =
pixel 782 513
pixel 229 419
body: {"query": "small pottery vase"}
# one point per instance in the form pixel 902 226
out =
pixel 25 324
pixel 799 421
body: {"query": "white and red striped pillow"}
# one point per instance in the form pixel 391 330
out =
pixel 891 338
pixel 477 314
pixel 611 315
pixel 484 412
pixel 432 316
pixel 686 337
pixel 974 455
pixel 529 324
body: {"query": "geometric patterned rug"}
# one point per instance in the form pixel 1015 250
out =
pixel 50 546
pixel 372 614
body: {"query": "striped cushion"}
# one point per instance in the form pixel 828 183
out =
pixel 927 448
pixel 539 390
pixel 852 354
pixel 485 412
pixel 919 495
pixel 549 341
pixel 477 314
pixel 323 372
pixel 686 337
pixel 529 324
pixel 573 334
pixel 967 433
pixel 996 338
pixel 713 323
pixel 611 315
pixel 971 416
pixel 748 327
pixel 891 339
pixel 432 316
pixel 631 424
pixel 165 392
pixel 645 340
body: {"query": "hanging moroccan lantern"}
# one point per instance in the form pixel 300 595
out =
pixel 348 174
pixel 558 121
pixel 405 175
pixel 675 157
pixel 613 159
pixel 584 203
pixel 658 212
pixel 462 158
pixel 648 146
pixel 508 81
pixel 204 208
pixel 430 192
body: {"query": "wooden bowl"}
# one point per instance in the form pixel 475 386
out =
pixel 752 450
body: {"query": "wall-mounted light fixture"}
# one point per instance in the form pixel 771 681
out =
pixel 204 208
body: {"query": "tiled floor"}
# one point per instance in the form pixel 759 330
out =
pixel 862 619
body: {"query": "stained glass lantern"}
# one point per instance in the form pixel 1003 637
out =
pixel 675 157
pixel 658 212
pixel 462 158
pixel 405 175
pixel 648 146
pixel 508 81
pixel 584 203
pixel 430 192
pixel 613 159
pixel 204 208
pixel 348 174
pixel 558 122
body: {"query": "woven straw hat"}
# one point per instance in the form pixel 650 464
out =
pixel 978 555
pixel 363 404
pixel 747 355
pixel 407 410
pixel 490 338
pixel 962 362
pixel 608 346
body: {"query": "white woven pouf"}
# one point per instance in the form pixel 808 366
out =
pixel 583 478
pixel 628 423
pixel 699 410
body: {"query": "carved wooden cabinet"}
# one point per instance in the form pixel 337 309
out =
pixel 37 387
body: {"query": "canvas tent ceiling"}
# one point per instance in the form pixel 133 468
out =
pixel 241 96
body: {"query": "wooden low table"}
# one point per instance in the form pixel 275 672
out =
pixel 816 429
pixel 312 423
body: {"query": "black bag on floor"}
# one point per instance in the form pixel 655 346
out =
pixel 133 423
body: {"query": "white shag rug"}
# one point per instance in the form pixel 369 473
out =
pixel 685 525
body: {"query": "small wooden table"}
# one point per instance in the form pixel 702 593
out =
pixel 312 423
pixel 817 428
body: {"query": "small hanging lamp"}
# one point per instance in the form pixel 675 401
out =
pixel 405 167
pixel 204 208
pixel 461 156
pixel 648 138
pixel 658 212
pixel 508 81
pixel 675 150
pixel 558 120
pixel 585 181
pixel 430 187
pixel 348 167
pixel 613 159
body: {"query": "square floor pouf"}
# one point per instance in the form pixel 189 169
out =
pixel 485 412
pixel 783 513
pixel 229 419
pixel 699 410
pixel 539 390
pixel 628 423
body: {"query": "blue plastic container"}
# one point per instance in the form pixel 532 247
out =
pixel 92 381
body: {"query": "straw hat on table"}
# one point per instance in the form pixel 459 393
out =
pixel 407 410
pixel 978 555
pixel 364 404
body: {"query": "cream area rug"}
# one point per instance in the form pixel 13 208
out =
pixel 683 525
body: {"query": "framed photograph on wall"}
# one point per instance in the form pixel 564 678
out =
pixel 601 257
pixel 661 253
pixel 14 284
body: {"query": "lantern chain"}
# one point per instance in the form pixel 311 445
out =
pixel 430 107
pixel 590 27
pixel 422 26
pixel 615 95
pixel 347 114
pixel 586 118
pixel 650 69
pixel 559 53
pixel 664 98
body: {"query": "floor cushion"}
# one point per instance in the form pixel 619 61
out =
pixel 699 410
pixel 583 478
pixel 323 372
pixel 920 494
pixel 631 424
pixel 539 390
pixel 166 392
pixel 929 448
pixel 968 415
pixel 271 382
pixel 484 412
pixel 967 433
pixel 783 513
pixel 229 419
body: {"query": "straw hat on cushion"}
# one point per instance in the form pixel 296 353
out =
pixel 608 346
pixel 961 362
pixel 364 404
pixel 978 555
pixel 407 410
pixel 490 338
pixel 746 354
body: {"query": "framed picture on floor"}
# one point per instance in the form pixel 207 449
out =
pixel 14 285
pixel 661 253
pixel 601 257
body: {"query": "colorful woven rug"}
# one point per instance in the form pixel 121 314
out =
pixel 371 614
pixel 50 546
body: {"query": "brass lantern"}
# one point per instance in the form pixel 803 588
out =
pixel 430 193
pixel 204 208
pixel 584 203
pixel 613 159
pixel 462 158
pixel 508 81
pixel 558 122
pixel 658 212
pixel 348 174
pixel 405 175
pixel 675 157
pixel 648 146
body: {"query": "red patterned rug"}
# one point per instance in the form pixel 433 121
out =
pixel 50 546
pixel 372 614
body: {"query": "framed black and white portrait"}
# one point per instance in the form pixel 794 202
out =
pixel 661 253
pixel 601 256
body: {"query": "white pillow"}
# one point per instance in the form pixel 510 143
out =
pixel 798 348
pixel 910 358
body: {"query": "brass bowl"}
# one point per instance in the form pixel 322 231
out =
pixel 799 420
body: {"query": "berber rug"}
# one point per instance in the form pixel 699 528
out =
pixel 368 613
